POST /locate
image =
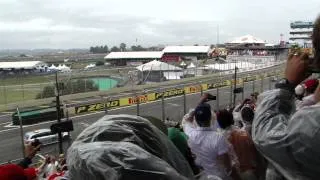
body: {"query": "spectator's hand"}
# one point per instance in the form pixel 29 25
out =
pixel 317 94
pixel 297 66
pixel 204 97
pixel 30 151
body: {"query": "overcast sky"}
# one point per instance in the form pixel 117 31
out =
pixel 82 23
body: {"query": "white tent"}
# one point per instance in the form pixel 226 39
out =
pixel 247 39
pixel 191 65
pixel 157 66
pixel 52 67
pixel 90 66
pixel 63 68
pixel 183 63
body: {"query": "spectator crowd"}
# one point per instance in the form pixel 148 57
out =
pixel 274 135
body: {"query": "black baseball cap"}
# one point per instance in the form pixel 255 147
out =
pixel 203 113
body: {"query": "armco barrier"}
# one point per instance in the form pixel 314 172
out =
pixel 149 97
pixel 36 116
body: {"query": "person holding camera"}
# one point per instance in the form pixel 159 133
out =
pixel 287 138
pixel 210 147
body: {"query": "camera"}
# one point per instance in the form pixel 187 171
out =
pixel 211 97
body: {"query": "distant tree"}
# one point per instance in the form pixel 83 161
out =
pixel 23 55
pixel 99 63
pixel 99 49
pixel 115 49
pixel 152 48
pixel 196 44
pixel 138 48
pixel 48 91
pixel 79 86
pixel 123 47
pixel 105 49
pixel 71 87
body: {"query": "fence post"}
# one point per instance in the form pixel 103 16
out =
pixel 106 106
pixel 138 105
pixel 231 93
pixel 21 133
pixel 184 102
pixel 270 83
pixel 243 89
pixel 217 100
pixel 201 90
pixel 262 81
pixel 253 84
pixel 67 119
pixel 163 108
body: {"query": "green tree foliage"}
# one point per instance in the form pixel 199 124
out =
pixel 115 49
pixel 99 63
pixel 48 91
pixel 99 49
pixel 123 47
pixel 138 48
pixel 71 87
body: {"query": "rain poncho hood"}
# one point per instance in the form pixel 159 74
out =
pixel 289 139
pixel 125 147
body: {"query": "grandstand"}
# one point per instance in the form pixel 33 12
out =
pixel 132 58
pixel 177 53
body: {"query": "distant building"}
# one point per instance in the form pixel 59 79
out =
pixel 168 54
pixel 134 58
pixel 178 53
pixel 247 41
pixel 300 33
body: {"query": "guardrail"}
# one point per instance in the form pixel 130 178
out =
pixel 151 95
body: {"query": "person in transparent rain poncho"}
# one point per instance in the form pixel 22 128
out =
pixel 288 138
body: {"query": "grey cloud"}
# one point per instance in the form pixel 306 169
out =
pixel 80 26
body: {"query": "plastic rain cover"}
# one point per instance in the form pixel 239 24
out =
pixel 125 147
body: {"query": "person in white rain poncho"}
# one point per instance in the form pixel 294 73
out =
pixel 290 139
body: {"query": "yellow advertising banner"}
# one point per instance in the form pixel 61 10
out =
pixel 204 87
pixel 124 101
pixel 169 93
pixel 96 107
pixel 192 89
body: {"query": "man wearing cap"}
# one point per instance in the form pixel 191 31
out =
pixel 290 139
pixel 209 147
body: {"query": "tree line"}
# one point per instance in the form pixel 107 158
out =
pixel 122 47
pixel 70 87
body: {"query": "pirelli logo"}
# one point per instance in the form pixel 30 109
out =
pixel 134 100
pixel 170 93
pixel 96 107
